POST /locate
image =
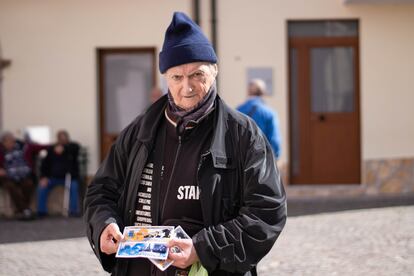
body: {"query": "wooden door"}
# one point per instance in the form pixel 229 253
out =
pixel 324 110
pixel 126 77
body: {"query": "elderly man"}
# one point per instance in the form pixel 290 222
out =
pixel 189 160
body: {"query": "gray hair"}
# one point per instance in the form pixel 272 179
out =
pixel 260 85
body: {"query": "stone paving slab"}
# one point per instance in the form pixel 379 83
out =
pixel 369 242
pixel 364 242
pixel 56 257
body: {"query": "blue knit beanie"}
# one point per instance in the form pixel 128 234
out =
pixel 184 43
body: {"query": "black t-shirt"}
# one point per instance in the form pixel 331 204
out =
pixel 173 165
pixel 179 191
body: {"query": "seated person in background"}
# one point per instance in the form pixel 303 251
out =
pixel 61 161
pixel 16 172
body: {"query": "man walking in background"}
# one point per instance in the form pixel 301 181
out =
pixel 263 115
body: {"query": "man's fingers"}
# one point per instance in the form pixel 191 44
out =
pixel 109 247
pixel 179 242
pixel 178 259
pixel 43 182
pixel 177 249
pixel 115 233
pixel 110 238
pixel 182 252
pixel 171 243
pixel 109 244
pixel 118 235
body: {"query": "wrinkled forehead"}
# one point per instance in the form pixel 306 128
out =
pixel 189 68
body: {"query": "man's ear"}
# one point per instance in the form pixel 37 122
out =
pixel 215 70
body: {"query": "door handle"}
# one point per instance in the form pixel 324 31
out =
pixel 321 118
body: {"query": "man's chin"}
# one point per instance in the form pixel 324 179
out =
pixel 189 105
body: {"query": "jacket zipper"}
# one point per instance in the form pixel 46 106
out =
pixel 171 176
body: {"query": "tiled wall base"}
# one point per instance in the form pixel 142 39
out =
pixel 379 177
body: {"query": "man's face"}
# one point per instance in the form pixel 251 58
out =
pixel 189 83
pixel 62 138
pixel 252 89
pixel 9 142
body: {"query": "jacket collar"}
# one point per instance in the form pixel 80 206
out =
pixel 151 120
pixel 220 150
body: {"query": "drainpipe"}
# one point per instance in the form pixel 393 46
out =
pixel 214 24
pixel 214 32
pixel 196 11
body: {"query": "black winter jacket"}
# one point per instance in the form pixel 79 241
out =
pixel 242 199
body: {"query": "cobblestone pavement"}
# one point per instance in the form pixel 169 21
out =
pixel 369 242
pixel 364 242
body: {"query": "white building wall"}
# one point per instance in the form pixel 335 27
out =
pixel 53 77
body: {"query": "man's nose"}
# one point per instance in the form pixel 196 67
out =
pixel 187 85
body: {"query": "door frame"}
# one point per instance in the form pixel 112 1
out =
pixel 303 84
pixel 101 52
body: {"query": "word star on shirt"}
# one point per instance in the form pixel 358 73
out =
pixel 188 192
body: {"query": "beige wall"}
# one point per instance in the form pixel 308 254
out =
pixel 255 35
pixel 52 44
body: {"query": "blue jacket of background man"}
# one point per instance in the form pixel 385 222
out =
pixel 265 118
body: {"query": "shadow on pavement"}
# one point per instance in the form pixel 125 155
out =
pixel 52 228
pixel 309 206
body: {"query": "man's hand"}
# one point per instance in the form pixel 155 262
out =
pixel 110 238
pixel 43 182
pixel 3 172
pixel 187 254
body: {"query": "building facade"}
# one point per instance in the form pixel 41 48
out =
pixel 340 74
